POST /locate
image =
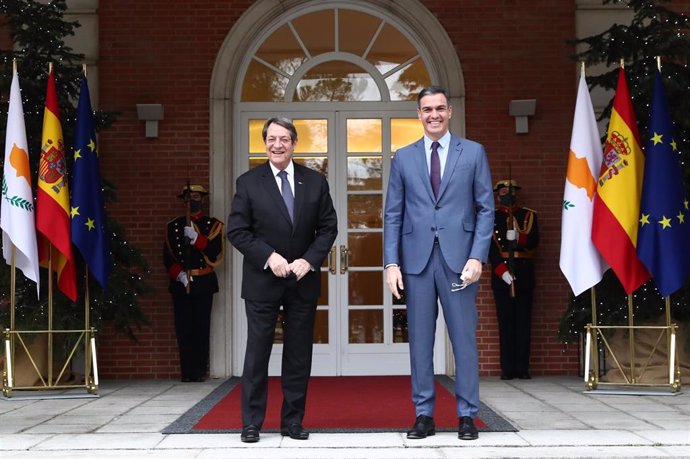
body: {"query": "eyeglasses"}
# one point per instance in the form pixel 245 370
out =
pixel 280 140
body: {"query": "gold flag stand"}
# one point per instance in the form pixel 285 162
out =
pixel 632 377
pixel 48 380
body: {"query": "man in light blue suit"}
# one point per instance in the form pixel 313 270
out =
pixel 439 218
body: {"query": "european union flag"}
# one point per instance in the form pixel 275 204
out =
pixel 663 241
pixel 90 233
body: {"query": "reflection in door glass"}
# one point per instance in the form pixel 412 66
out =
pixel 400 326
pixel 365 288
pixel 364 173
pixel 365 249
pixel 404 131
pixel 365 326
pixel 364 135
pixel 365 211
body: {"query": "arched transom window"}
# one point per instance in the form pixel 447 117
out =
pixel 335 54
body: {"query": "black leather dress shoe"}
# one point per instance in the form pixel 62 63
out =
pixel 423 427
pixel 524 376
pixel 466 429
pixel 250 434
pixel 294 431
pixel 506 377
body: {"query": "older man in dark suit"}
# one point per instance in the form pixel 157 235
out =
pixel 284 223
pixel 438 223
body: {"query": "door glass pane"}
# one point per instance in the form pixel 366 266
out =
pixel 282 50
pixel 321 327
pixel 312 136
pixel 364 135
pixel 262 84
pixel 364 211
pixel 391 49
pixel 319 164
pixel 323 298
pixel 365 327
pixel 406 83
pixel 317 31
pixel 365 288
pixel 404 131
pixel 365 249
pixel 336 81
pixel 400 326
pixel 364 173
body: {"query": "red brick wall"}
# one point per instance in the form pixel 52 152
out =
pixel 163 51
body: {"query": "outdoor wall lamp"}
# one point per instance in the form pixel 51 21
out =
pixel 521 110
pixel 151 113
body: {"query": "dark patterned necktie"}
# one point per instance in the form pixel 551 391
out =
pixel 287 194
pixel 435 169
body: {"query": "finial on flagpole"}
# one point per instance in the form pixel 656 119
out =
pixel 83 68
pixel 622 63
pixel 582 68
pixel 658 63
pixel 50 67
pixel 14 65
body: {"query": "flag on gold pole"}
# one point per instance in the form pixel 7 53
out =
pixel 52 198
pixel 17 218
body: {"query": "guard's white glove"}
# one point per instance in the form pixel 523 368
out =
pixel 507 278
pixel 191 233
pixel 182 277
pixel 511 235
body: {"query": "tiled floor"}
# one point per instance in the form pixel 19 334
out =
pixel 554 417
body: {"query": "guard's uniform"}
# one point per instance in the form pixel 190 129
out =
pixel 193 309
pixel 514 314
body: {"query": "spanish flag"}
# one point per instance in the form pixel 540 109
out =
pixel 619 186
pixel 52 198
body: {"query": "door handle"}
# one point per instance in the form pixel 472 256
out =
pixel 343 259
pixel 331 261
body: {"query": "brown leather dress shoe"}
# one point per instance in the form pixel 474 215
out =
pixel 423 427
pixel 250 434
pixel 294 431
pixel 466 429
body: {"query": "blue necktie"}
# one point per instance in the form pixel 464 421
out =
pixel 287 194
pixel 435 169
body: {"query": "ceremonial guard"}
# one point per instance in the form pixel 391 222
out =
pixel 194 246
pixel 515 238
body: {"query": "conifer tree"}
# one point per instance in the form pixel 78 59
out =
pixel 37 32
pixel 656 29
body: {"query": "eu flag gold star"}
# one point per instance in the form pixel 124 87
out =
pixel 657 138
pixel 674 145
pixel 74 212
pixel 92 145
pixel 77 154
pixel 90 224
pixel 686 203
pixel 644 220
pixel 665 222
pixel 681 217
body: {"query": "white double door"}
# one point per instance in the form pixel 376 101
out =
pixel 360 329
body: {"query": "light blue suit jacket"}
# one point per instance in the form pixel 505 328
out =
pixel 462 216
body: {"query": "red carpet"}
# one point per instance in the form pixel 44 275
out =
pixel 340 404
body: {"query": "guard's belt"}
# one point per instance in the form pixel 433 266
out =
pixel 517 255
pixel 200 272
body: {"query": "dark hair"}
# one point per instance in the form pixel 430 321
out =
pixel 430 91
pixel 284 122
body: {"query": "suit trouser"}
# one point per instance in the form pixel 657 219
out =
pixel 298 331
pixel 514 328
pixel 192 328
pixel 460 313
